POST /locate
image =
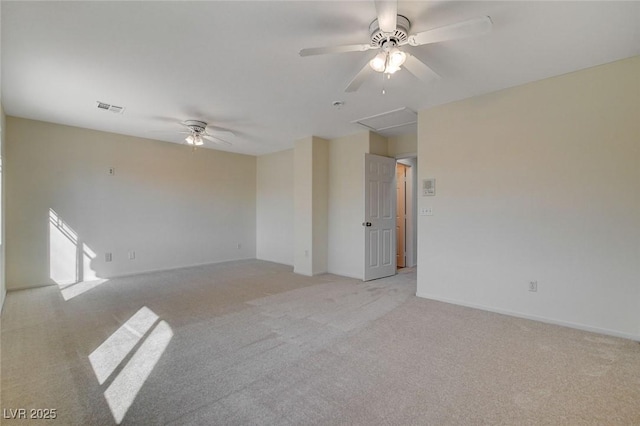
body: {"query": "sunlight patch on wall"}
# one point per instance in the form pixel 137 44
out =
pixel 70 259
pixel 63 246
pixel 144 349
pixel 87 256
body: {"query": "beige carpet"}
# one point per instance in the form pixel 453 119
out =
pixel 251 343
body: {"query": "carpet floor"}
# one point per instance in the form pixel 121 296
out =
pixel 249 342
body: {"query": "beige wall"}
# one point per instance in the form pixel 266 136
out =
pixel 346 200
pixel 329 177
pixel 378 145
pixel 172 206
pixel 403 145
pixel 274 207
pixel 302 207
pixel 3 287
pixel 538 182
pixel 320 209
pixel 346 204
pixel 310 195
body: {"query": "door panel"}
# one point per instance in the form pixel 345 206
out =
pixel 387 244
pixel 380 212
pixel 374 202
pixel 387 201
pixel 373 249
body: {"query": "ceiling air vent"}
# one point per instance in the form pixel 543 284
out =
pixel 108 107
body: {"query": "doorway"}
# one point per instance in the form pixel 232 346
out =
pixel 401 216
pixel 406 226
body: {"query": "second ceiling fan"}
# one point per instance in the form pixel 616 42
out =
pixel 389 32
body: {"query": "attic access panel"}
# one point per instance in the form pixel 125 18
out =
pixel 387 123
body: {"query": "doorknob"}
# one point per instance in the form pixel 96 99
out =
pixel 366 223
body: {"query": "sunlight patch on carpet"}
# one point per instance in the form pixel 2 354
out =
pixel 112 355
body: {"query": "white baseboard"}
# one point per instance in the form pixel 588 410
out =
pixel 142 272
pixel 554 321
pixel 174 268
pixel 274 261
pixel 343 274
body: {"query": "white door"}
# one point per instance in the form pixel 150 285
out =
pixel 380 217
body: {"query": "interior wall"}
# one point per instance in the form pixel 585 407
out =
pixel 303 206
pixel 378 145
pixel 172 206
pixel 3 287
pixel 274 207
pixel 346 200
pixel 340 172
pixel 403 145
pixel 346 204
pixel 320 171
pixel 537 183
pixel 310 189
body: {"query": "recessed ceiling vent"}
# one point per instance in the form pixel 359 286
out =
pixel 108 107
pixel 391 123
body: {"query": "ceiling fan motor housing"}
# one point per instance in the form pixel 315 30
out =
pixel 196 126
pixel 399 36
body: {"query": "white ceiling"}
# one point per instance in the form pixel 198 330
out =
pixel 236 65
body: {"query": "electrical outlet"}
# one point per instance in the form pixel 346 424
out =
pixel 426 211
pixel 132 255
pixel 112 171
pixel 108 257
pixel 533 286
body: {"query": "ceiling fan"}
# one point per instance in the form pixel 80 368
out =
pixel 389 32
pixel 197 131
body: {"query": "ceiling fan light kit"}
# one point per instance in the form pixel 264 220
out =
pixel 197 131
pixel 389 60
pixel 194 139
pixel 389 31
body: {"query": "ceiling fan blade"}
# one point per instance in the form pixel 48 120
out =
pixel 217 140
pixel 359 78
pixel 335 49
pixel 387 15
pixel 220 130
pixel 418 68
pixel 171 132
pixel 470 28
